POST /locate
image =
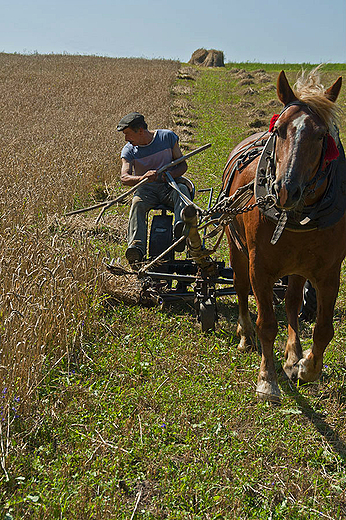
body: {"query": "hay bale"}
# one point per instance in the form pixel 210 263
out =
pixel 246 82
pixel 214 59
pixel 257 123
pixel 210 58
pixel 198 57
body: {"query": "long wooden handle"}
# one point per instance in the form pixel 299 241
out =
pixel 108 204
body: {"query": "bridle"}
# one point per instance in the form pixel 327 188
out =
pixel 322 172
pixel 303 219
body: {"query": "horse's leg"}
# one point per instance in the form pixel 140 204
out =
pixel 267 386
pixel 293 300
pixel 245 328
pixel 310 367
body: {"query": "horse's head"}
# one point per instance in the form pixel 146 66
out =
pixel 301 133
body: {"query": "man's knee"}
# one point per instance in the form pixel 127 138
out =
pixel 184 189
pixel 138 205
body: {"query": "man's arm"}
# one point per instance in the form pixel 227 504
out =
pixel 179 169
pixel 128 179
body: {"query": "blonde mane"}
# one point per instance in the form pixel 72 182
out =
pixel 309 89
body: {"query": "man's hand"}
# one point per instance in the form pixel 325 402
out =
pixel 151 175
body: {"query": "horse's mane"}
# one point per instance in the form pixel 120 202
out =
pixel 309 89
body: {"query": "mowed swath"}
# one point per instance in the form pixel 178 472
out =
pixel 58 146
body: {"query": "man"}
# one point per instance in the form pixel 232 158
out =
pixel 145 152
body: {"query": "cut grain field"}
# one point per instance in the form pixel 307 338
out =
pixel 111 410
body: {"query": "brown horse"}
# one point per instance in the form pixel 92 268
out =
pixel 301 234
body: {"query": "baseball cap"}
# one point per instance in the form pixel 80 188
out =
pixel 131 119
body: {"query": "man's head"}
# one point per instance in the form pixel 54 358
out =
pixel 133 120
pixel 135 129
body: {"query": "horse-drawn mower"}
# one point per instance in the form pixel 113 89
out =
pixel 192 275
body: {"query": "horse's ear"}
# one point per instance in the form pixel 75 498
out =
pixel 284 91
pixel 333 91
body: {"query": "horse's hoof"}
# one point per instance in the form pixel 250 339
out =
pixel 291 371
pixel 268 391
pixel 308 368
pixel 246 344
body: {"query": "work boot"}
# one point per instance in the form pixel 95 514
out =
pixel 134 256
pixel 177 233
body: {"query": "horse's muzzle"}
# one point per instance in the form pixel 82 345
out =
pixel 287 195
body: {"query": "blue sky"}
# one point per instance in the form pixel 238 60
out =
pixel 293 31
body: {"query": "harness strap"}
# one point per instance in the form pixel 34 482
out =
pixel 239 161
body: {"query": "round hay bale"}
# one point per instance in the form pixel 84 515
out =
pixel 198 56
pixel 214 59
pixel 210 58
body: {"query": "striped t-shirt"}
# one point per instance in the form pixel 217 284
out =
pixel 153 155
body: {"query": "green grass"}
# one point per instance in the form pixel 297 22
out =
pixel 151 419
pixel 179 420
pixel 276 67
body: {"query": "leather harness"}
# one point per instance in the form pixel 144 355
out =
pixel 324 213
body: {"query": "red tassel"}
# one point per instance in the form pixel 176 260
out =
pixel 273 121
pixel 332 151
